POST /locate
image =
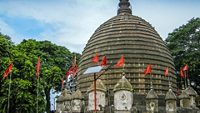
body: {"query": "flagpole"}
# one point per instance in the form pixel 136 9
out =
pixel 185 80
pixel 9 93
pixel 188 80
pixel 37 91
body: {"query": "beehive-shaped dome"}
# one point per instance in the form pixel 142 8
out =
pixel 140 44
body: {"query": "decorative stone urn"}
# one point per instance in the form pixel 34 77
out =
pixel 100 96
pixel 170 100
pixel 184 100
pixel 192 95
pixel 123 96
pixel 66 101
pixel 152 101
pixel 77 102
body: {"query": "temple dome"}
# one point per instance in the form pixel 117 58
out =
pixel 133 37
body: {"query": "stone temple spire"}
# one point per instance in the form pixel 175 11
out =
pixel 124 7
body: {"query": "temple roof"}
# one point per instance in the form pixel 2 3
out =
pixel 123 84
pixel 190 91
pixel 170 95
pixel 183 95
pixel 66 94
pixel 151 94
pixel 77 95
pixel 99 86
pixel 136 39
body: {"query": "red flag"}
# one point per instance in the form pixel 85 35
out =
pixel 8 70
pixel 72 70
pixel 147 70
pixel 104 61
pixel 166 71
pixel 181 73
pixel 120 62
pixel 185 68
pixel 38 68
pixel 95 58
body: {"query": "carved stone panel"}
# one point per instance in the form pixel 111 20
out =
pixel 100 100
pixel 123 100
pixel 152 105
pixel 58 107
pixel 170 106
pixel 76 105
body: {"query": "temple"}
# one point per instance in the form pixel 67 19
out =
pixel 127 89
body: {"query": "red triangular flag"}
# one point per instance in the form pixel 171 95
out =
pixel 181 73
pixel 120 62
pixel 95 58
pixel 104 61
pixel 8 70
pixel 38 68
pixel 147 70
pixel 185 68
pixel 72 71
pixel 166 71
pixel 69 71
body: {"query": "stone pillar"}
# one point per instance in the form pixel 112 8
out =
pixel 77 102
pixel 59 104
pixel 184 100
pixel 192 95
pixel 170 100
pixel 66 101
pixel 100 97
pixel 123 96
pixel 152 101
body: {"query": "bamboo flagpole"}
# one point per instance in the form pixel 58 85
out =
pixel 37 93
pixel 37 77
pixel 8 109
pixel 6 73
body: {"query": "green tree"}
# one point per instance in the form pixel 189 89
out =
pixel 54 63
pixel 55 60
pixel 184 44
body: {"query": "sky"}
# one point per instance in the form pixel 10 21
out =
pixel 71 23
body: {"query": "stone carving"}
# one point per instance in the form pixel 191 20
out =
pixel 123 95
pixel 170 100
pixel 152 101
pixel 77 101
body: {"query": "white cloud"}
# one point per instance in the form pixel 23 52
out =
pixel 75 21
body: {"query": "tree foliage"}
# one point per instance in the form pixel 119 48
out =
pixel 184 43
pixel 55 60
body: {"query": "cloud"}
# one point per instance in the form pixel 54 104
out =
pixel 71 23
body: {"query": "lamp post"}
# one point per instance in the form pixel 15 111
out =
pixel 95 70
